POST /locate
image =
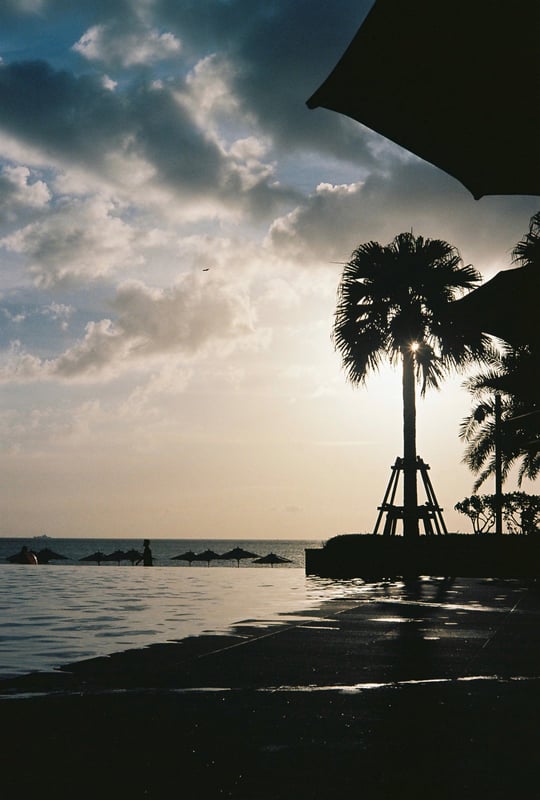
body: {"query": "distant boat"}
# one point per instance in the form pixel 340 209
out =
pixel 41 537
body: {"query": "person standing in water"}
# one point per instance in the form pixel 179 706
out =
pixel 147 555
pixel 26 556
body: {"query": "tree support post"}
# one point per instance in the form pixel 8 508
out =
pixel 430 513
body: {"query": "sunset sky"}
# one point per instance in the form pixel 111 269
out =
pixel 172 222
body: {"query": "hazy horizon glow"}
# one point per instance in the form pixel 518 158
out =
pixel 173 224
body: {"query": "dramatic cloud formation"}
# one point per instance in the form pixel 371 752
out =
pixel 80 239
pixel 173 222
pixel 331 221
pixel 149 322
pixel 114 45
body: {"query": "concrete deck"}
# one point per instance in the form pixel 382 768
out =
pixel 432 687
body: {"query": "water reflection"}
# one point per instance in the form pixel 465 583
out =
pixel 53 616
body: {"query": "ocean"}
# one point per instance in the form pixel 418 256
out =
pixel 163 550
pixel 67 610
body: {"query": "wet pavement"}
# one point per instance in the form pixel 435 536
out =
pixel 429 686
pixel 430 629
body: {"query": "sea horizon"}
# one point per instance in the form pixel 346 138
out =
pixel 65 611
pixel 164 551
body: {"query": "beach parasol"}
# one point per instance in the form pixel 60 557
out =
pixel 133 556
pixel 272 559
pixel 118 556
pixel 207 555
pixel 189 555
pixel 98 556
pixel 237 554
pixel 46 555
pixel 25 556
pixel 452 82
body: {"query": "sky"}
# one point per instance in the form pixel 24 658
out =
pixel 173 224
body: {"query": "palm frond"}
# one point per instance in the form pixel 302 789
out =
pixel 529 467
pixel 429 367
pixel 393 295
pixel 484 475
pixel 527 251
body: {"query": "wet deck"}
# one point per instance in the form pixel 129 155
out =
pixel 432 686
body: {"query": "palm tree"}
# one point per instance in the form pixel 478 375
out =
pixel 527 251
pixel 392 304
pixel 509 377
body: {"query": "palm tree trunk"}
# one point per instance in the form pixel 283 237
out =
pixel 410 494
pixel 498 466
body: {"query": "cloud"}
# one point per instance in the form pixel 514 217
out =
pixel 20 190
pixel 272 58
pixel 281 53
pixel 80 239
pixel 304 233
pixel 112 44
pixel 19 366
pixel 186 317
pixel 149 141
pixel 209 92
pixel 72 118
pixel 411 194
pixel 59 312
pixel 169 380
pixel 195 315
pixel 108 83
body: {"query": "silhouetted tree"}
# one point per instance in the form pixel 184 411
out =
pixel 521 512
pixel 513 374
pixel 392 304
pixel 480 508
pixel 527 251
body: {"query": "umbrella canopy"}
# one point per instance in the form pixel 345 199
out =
pixel 118 556
pixel 272 559
pixel 237 554
pixel 505 306
pixel 189 555
pixel 206 555
pixel 133 556
pixel 455 83
pixel 98 556
pixel 46 555
pixel 25 556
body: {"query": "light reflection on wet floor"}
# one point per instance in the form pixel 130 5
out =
pixel 362 687
pixel 395 619
pixel 355 688
pixel 473 606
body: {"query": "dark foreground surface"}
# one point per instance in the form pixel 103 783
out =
pixel 466 555
pixel 429 690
